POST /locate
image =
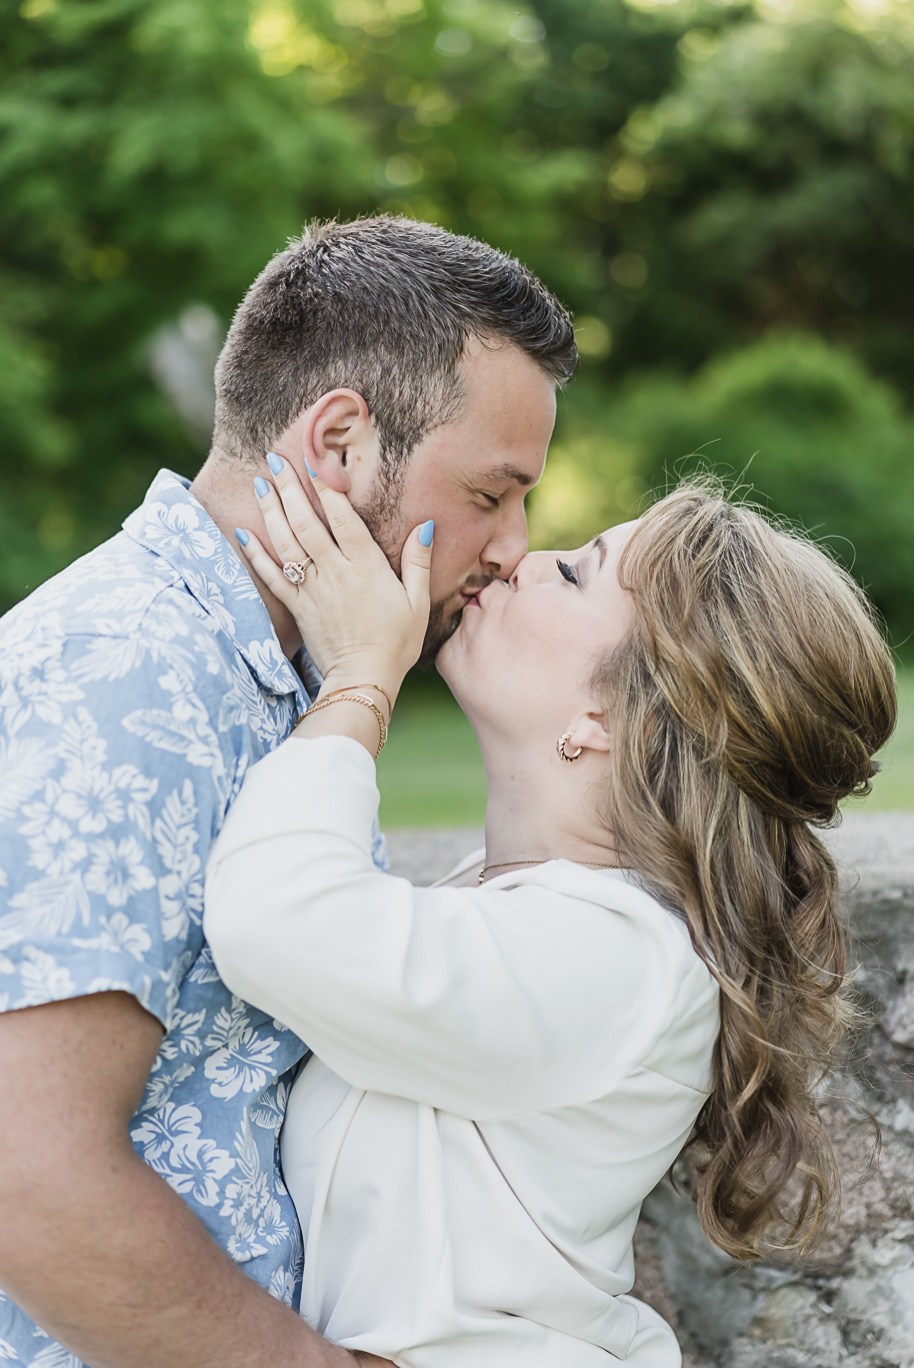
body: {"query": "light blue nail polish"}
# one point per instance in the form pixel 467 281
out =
pixel 311 472
pixel 242 536
pixel 426 532
pixel 274 462
pixel 260 486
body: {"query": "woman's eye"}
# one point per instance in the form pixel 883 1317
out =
pixel 567 571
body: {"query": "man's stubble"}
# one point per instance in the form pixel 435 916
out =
pixel 381 514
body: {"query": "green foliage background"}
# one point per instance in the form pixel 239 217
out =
pixel 722 192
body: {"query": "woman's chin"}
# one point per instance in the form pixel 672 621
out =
pixel 444 661
pixel 450 664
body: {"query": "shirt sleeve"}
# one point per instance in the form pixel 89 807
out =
pixel 112 783
pixel 481 1002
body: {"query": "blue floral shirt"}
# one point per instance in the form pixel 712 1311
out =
pixel 135 689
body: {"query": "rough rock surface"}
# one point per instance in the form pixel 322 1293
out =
pixel 852 1305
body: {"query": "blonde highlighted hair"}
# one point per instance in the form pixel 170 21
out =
pixel 746 703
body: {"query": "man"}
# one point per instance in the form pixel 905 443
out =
pixel 142 1103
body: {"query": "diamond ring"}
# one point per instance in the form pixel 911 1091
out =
pixel 294 571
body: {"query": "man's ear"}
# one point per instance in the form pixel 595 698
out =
pixel 590 730
pixel 335 435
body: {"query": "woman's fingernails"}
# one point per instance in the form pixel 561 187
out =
pixel 242 536
pixel 260 486
pixel 311 472
pixel 274 462
pixel 426 532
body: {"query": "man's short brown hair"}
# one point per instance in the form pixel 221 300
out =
pixel 384 306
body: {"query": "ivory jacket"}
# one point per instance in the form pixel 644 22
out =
pixel 500 1076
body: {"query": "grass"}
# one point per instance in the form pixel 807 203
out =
pixel 893 788
pixel 431 774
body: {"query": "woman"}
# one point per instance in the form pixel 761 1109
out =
pixel 646 956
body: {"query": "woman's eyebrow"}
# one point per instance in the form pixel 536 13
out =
pixel 598 545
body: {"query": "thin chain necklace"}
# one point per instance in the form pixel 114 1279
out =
pixel 544 859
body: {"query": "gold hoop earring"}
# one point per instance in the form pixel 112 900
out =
pixel 562 753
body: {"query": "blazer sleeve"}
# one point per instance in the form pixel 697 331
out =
pixel 477 1001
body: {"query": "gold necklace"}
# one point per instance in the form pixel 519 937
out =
pixel 544 859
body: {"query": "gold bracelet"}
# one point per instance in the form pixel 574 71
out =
pixel 336 692
pixel 366 702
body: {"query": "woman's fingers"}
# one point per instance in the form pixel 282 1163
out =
pixel 349 530
pixel 267 570
pixel 292 523
pixel 415 567
pixel 285 542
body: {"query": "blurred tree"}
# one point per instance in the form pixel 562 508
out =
pixel 685 175
pixel 146 162
pixel 793 421
pixel 778 187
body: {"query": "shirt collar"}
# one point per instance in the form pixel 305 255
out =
pixel 173 525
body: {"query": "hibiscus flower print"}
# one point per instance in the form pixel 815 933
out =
pixel 55 850
pixel 245 1066
pixel 39 688
pixel 196 1169
pixel 178 523
pixel 129 710
pixel 118 932
pixel 117 870
pixel 243 1243
pixel 90 799
pixel 166 1131
pixel 242 1055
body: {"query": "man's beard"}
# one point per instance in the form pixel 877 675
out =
pixel 441 625
pixel 381 515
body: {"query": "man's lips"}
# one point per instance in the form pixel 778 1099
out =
pixel 470 594
pixel 475 597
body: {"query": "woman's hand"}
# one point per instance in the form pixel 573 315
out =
pixel 361 624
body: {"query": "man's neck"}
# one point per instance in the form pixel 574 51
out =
pixel 226 492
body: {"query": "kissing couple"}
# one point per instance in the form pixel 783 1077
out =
pixel 265 1103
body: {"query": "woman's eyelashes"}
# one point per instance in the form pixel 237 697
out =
pixel 568 572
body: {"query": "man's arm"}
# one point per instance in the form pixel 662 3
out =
pixel 94 1245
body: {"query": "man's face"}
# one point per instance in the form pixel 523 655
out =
pixel 472 477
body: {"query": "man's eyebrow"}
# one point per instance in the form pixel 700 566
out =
pixel 510 472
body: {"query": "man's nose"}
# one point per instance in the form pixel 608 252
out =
pixel 507 548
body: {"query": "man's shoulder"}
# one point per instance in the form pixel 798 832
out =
pixel 118 594
pixel 108 591
pixel 121 643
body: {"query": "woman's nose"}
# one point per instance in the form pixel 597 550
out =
pixel 530 569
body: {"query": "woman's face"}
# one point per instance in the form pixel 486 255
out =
pixel 522 657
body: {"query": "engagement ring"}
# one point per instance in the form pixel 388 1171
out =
pixel 294 571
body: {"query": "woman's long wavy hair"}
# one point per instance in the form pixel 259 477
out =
pixel 745 704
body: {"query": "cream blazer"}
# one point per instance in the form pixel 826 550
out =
pixel 500 1075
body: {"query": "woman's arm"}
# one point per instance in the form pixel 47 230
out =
pixel 476 1001
pixel 481 1002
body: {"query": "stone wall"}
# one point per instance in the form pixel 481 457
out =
pixel 852 1306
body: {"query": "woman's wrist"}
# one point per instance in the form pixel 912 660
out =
pixel 380 683
pixel 352 714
